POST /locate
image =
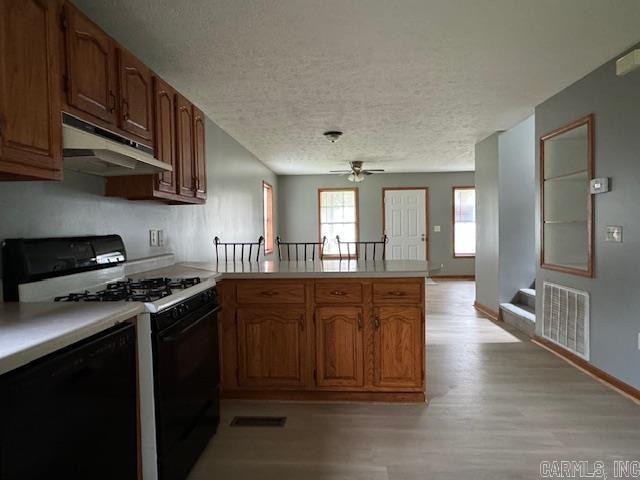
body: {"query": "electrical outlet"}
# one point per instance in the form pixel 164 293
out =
pixel 161 238
pixel 153 238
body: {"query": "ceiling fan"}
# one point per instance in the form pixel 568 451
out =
pixel 357 173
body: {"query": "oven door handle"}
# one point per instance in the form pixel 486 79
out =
pixel 183 332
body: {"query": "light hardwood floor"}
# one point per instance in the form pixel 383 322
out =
pixel 498 406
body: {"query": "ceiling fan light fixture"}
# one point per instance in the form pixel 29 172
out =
pixel 356 177
pixel 333 135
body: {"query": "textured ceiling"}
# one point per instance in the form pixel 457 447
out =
pixel 412 83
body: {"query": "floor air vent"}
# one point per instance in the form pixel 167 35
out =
pixel 565 318
pixel 258 421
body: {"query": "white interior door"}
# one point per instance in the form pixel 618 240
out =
pixel 405 218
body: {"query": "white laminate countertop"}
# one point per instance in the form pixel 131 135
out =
pixel 310 269
pixel 32 330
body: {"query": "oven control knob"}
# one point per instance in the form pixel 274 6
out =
pixel 175 313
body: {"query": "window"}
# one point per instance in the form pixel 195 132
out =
pixel 338 215
pixel 464 221
pixel 267 193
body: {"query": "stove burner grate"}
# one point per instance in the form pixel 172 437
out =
pixel 145 290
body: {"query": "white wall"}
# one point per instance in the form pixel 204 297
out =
pixel 487 222
pixel 77 206
pixel 517 196
pixel 298 207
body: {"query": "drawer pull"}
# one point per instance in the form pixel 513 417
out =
pixel 397 293
pixel 269 293
pixel 338 293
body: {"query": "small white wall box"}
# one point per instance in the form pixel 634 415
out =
pixel 628 63
pixel 599 185
pixel 613 234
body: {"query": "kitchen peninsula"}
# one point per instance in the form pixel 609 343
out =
pixel 330 330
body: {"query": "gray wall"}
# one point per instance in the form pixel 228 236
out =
pixel 517 259
pixel 615 304
pixel 77 206
pixel 487 223
pixel 298 209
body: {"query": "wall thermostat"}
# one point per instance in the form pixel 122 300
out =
pixel 599 185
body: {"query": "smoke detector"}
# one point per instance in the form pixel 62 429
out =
pixel 332 135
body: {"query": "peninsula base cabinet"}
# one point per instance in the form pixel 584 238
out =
pixel 323 339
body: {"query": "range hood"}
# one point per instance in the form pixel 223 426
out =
pixel 93 150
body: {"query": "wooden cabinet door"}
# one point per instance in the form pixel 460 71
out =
pixel 339 347
pixel 199 154
pixel 165 138
pixel 30 124
pixel 91 70
pixel 398 346
pixel 184 146
pixel 136 94
pixel 271 346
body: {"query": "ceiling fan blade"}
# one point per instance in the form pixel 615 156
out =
pixel 339 171
pixel 375 170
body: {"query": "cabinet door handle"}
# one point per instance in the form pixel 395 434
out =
pixel 397 293
pixel 301 322
pixel 376 321
pixel 113 101
pixel 359 320
pixel 125 110
pixel 338 293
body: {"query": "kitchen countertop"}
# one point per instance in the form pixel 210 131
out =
pixel 32 330
pixel 310 269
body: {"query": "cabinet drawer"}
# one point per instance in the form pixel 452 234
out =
pixel 397 292
pixel 335 292
pixel 270 292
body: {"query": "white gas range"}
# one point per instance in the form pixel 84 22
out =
pixel 177 333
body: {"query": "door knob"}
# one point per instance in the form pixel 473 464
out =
pixel 423 237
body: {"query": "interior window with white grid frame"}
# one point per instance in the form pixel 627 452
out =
pixel 338 216
pixel 464 221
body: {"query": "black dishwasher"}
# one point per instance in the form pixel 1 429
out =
pixel 72 414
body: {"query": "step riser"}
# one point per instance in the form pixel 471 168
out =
pixel 527 300
pixel 523 324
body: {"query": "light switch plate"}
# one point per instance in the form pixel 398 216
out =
pixel 436 228
pixel 153 238
pixel 161 238
pixel 613 233
pixel 599 185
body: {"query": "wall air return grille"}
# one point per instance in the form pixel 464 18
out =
pixel 565 318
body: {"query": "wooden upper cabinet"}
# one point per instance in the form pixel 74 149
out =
pixel 184 146
pixel 91 67
pixel 199 153
pixel 136 96
pixel 30 125
pixel 398 346
pixel 339 347
pixel 165 124
pixel 271 346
